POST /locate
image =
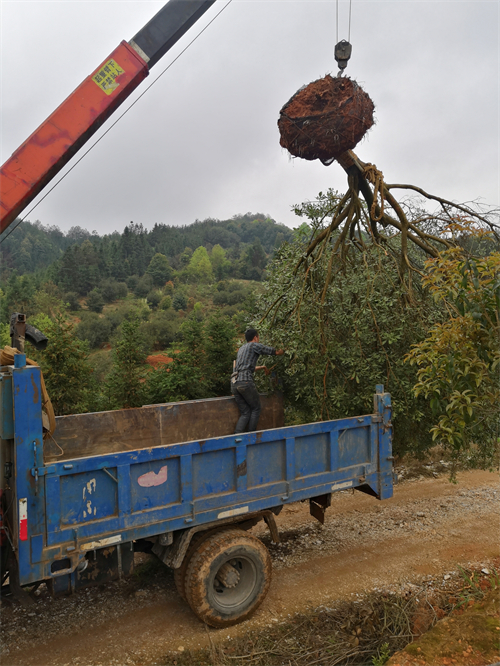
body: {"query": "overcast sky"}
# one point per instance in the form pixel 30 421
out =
pixel 203 141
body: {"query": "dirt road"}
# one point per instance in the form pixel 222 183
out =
pixel 428 528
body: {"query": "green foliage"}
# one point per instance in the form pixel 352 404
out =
pixel 101 363
pixel 185 377
pixel 235 293
pixel 31 247
pixel 5 334
pixel 81 268
pixel 48 300
pixel 220 351
pixel 220 265
pixel 144 286
pixel 125 380
pixel 153 298
pixel 179 301
pixel 17 296
pixel 384 654
pixel 199 269
pixel 185 257
pixel 159 269
pixel 165 303
pixel 161 330
pixel 339 349
pixel 112 290
pixel 201 365
pixel 459 361
pixel 95 301
pixel 138 264
pixel 65 368
pixel 71 299
pixel 94 329
pixel 41 321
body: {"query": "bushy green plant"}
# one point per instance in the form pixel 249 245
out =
pixel 220 351
pixel 125 380
pixel 71 299
pixel 153 299
pixel 144 286
pixel 201 365
pixel 112 290
pixel 459 361
pixel 5 334
pixel 67 373
pixel 165 303
pixel 95 300
pixel 159 269
pixel 94 329
pixel 179 302
pixel 337 350
pixel 185 377
pixel 161 330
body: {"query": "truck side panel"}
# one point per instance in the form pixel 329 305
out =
pixel 65 508
pixel 117 498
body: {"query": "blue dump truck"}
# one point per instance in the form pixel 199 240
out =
pixel 172 480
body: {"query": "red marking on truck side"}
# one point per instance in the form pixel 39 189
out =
pixel 23 519
pixel 153 479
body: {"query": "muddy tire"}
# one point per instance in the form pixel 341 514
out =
pixel 180 573
pixel 228 577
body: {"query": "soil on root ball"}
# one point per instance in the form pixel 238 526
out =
pixel 326 118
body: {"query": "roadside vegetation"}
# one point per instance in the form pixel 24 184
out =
pixel 156 316
pixel 371 628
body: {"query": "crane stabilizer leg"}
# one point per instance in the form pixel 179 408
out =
pixel 34 164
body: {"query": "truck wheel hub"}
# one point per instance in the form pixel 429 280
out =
pixel 228 575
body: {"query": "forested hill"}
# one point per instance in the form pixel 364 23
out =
pixel 32 247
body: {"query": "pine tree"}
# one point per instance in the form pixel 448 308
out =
pixel 126 379
pixel 220 351
pixel 65 368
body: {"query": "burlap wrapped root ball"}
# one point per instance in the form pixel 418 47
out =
pixel 325 118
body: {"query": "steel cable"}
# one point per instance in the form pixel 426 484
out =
pixel 116 121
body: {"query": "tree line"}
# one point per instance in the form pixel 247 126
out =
pixel 431 338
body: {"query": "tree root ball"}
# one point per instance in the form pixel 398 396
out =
pixel 325 118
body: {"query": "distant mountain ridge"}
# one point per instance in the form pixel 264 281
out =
pixel 33 247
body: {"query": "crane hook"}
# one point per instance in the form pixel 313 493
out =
pixel 342 54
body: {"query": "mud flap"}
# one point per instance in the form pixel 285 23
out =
pixel 318 506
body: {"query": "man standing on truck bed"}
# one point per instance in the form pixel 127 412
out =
pixel 242 384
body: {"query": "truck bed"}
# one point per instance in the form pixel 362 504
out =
pixel 121 478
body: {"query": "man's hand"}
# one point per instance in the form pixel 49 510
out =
pixel 279 352
pixel 263 367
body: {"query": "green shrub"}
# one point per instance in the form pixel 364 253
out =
pixel 95 300
pixel 94 329
pixel 165 303
pixel 153 298
pixel 179 301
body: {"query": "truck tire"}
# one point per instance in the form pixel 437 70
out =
pixel 228 577
pixel 180 573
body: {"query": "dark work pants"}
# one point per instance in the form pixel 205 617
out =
pixel 248 401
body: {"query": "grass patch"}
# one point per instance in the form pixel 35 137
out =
pixel 365 632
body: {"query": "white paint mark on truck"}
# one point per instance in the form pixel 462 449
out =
pixel 91 485
pixel 92 545
pixel 233 512
pixel 339 486
pixel 153 479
